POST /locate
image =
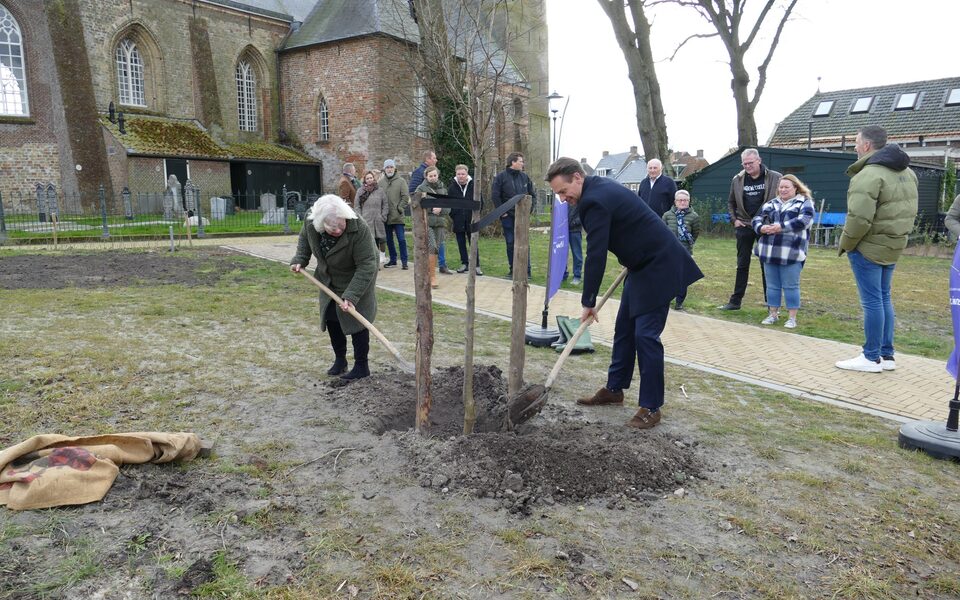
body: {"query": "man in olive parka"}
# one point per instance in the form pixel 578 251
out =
pixel 881 208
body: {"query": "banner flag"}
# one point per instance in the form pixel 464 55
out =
pixel 952 366
pixel 558 246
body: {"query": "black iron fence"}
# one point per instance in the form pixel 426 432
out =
pixel 47 212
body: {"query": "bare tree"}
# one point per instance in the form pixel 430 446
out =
pixel 466 73
pixel 633 37
pixel 727 19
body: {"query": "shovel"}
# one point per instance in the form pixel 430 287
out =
pixel 531 400
pixel 405 366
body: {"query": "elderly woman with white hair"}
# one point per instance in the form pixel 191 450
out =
pixel 347 263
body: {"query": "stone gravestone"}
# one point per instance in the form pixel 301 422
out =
pixel 271 214
pixel 171 199
pixel 191 195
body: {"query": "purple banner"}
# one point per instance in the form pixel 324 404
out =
pixel 558 247
pixel 952 366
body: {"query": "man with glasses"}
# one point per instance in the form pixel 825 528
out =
pixel 750 188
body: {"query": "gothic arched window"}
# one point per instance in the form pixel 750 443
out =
pixel 130 73
pixel 13 74
pixel 246 96
pixel 323 116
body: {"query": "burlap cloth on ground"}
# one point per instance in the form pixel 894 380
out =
pixel 56 470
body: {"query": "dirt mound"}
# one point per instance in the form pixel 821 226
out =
pixel 200 266
pixel 560 458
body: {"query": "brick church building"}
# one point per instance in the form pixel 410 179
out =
pixel 236 95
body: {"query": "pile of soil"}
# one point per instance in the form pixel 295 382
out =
pixel 200 266
pixel 556 458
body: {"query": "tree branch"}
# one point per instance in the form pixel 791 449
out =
pixel 762 69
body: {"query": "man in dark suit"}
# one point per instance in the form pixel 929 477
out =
pixel 659 268
pixel 657 190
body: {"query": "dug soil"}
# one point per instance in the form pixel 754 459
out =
pixel 283 463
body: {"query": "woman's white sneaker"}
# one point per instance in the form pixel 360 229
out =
pixel 860 363
pixel 888 364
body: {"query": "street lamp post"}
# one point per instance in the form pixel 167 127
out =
pixel 554 101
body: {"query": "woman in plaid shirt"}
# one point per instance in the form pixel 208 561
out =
pixel 783 226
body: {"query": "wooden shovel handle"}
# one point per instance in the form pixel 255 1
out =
pixel 356 315
pixel 568 348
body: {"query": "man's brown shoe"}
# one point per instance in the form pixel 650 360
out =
pixel 644 419
pixel 602 397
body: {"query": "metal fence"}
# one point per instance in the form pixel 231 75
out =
pixel 47 212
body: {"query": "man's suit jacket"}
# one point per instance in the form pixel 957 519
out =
pixel 614 221
pixel 660 198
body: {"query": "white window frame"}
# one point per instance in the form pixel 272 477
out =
pixel 953 97
pixel 246 96
pixel 824 108
pixel 901 104
pixel 420 111
pixel 13 68
pixel 856 108
pixel 323 117
pixel 130 73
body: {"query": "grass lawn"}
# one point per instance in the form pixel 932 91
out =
pixel 830 305
pixel 801 500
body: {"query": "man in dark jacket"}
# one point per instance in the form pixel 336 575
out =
pixel 507 184
pixel 461 186
pixel 659 269
pixel 416 178
pixel 750 188
pixel 657 189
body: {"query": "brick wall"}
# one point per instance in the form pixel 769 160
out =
pixel 32 147
pixel 162 30
pixel 22 168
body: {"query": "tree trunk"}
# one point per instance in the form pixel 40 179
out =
pixel 521 255
pixel 469 402
pixel 651 121
pixel 746 124
pixel 424 295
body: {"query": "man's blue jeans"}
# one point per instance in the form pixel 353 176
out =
pixel 873 283
pixel 397 230
pixel 575 239
pixel 442 255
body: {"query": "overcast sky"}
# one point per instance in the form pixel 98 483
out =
pixel 848 43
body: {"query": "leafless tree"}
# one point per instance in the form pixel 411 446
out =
pixel 728 20
pixel 633 37
pixel 466 73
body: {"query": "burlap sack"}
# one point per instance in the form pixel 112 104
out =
pixel 56 470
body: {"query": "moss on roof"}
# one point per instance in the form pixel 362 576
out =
pixel 267 151
pixel 161 136
pixel 167 137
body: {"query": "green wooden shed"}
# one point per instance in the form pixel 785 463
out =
pixel 824 172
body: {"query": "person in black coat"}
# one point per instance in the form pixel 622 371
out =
pixel 507 184
pixel 657 190
pixel 461 186
pixel 659 268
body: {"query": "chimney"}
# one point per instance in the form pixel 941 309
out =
pixel 606 153
pixel 633 149
pixel 699 153
pixel 583 161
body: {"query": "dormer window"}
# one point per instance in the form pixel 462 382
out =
pixel 906 101
pixel 953 98
pixel 861 105
pixel 823 109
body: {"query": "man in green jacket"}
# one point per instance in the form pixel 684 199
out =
pixel 397 200
pixel 881 208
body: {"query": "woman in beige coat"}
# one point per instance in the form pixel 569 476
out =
pixel 374 210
